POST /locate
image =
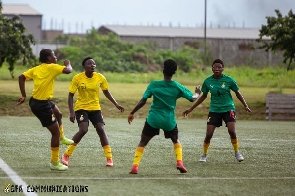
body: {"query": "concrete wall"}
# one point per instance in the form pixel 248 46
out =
pixel 231 51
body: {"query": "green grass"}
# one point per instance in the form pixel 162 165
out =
pixel 268 168
pixel 128 94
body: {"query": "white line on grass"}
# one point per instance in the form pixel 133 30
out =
pixel 14 177
pixel 158 178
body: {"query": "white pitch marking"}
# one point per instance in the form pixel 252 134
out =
pixel 14 177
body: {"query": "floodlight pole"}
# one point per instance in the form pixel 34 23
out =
pixel 205 29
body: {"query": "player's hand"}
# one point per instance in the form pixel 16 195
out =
pixel 21 100
pixel 198 89
pixel 248 109
pixel 186 112
pixel 120 108
pixel 67 62
pixel 130 118
pixel 72 117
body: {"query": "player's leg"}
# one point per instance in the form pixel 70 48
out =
pixel 230 120
pixel 105 143
pixel 55 163
pixel 147 134
pixel 58 115
pixel 173 135
pixel 43 111
pixel 97 120
pixel 214 120
pixel 82 120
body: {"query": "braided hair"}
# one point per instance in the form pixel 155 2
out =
pixel 44 54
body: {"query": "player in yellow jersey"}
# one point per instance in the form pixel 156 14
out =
pixel 87 107
pixel 45 110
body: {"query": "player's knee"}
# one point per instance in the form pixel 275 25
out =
pixel 83 131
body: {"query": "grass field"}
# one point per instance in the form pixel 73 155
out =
pixel 128 95
pixel 268 168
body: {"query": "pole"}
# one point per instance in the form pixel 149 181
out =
pixel 205 29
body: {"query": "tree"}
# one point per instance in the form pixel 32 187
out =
pixel 15 44
pixel 281 31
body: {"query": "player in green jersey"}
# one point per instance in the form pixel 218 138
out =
pixel 222 107
pixel 162 113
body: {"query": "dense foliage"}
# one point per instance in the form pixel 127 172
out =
pixel 15 44
pixel 281 31
pixel 113 55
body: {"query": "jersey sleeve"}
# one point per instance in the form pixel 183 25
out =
pixel 185 92
pixel 205 90
pixel 57 69
pixel 147 94
pixel 104 85
pixel 74 85
pixel 233 85
pixel 29 74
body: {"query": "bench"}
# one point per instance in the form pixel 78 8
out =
pixel 280 106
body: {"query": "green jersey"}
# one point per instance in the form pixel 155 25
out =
pixel 220 89
pixel 162 111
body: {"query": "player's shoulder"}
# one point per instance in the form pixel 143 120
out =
pixel 52 65
pixel 154 82
pixel 38 66
pixel 176 83
pixel 209 78
pixel 97 74
pixel 79 76
pixel 227 77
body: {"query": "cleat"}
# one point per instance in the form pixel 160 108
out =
pixel 110 162
pixel 134 169
pixel 65 159
pixel 65 141
pixel 180 167
pixel 203 158
pixel 239 157
pixel 58 166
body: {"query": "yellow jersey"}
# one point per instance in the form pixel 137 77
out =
pixel 44 76
pixel 88 90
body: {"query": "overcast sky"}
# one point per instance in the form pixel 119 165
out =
pixel 76 16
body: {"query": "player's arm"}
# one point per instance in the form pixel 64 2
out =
pixel 242 100
pixel 139 105
pixel 112 99
pixel 197 93
pixel 21 82
pixel 68 69
pixel 198 102
pixel 71 107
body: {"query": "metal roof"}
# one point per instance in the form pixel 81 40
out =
pixel 18 9
pixel 158 31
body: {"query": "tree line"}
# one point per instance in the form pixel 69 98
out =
pixel 115 56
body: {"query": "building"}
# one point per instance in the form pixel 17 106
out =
pixel 234 46
pixel 32 19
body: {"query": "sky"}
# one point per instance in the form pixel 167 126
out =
pixel 76 16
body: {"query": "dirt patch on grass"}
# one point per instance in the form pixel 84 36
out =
pixel 9 107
